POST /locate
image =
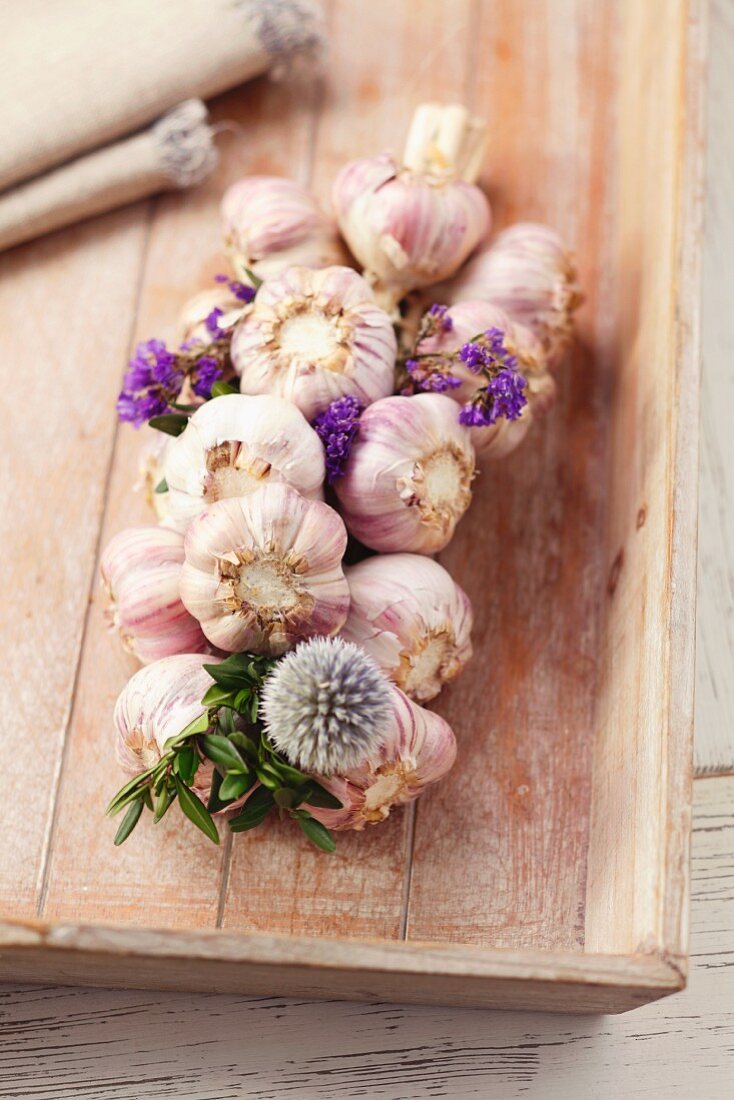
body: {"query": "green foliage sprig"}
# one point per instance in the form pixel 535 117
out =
pixel 230 734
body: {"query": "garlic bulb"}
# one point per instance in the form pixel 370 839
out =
pixel 408 613
pixel 232 446
pixel 326 706
pixel 271 223
pixel 315 336
pixel 418 749
pixel 529 273
pixel 414 224
pixel 407 482
pixel 141 568
pixel 462 322
pixel 151 475
pixel 264 571
pixel 157 703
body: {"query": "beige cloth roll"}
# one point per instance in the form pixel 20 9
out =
pixel 79 75
pixel 177 151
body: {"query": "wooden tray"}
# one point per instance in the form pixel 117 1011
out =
pixel 550 869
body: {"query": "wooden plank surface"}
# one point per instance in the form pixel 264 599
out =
pixel 59 1044
pixel 120 1045
pixel 715 636
pixel 520 789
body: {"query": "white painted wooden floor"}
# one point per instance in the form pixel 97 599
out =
pixel 73 1043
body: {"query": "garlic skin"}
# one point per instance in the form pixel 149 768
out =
pixel 408 478
pixel 270 223
pixel 468 319
pixel 530 273
pixel 415 223
pixel 264 571
pixel 412 618
pixel 150 474
pixel 192 319
pixel 233 446
pixel 314 336
pixel 418 749
pixel 157 703
pixel 141 569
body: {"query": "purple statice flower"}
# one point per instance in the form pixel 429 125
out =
pixel 242 291
pixel 212 325
pixel 440 318
pixel 337 428
pixel 487 352
pixel 206 371
pixel 152 381
pixel 501 397
pixel 429 375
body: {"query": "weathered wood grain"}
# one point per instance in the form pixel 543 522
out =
pixel 715 641
pixel 516 807
pixel 501 850
pixel 57 1043
pixel 67 306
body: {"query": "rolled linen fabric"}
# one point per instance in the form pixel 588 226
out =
pixel 80 74
pixel 177 151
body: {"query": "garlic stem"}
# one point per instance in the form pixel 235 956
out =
pixel 445 141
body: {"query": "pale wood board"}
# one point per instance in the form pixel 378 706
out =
pixel 59 1044
pixel 165 282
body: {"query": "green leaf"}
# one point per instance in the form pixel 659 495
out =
pixel 245 744
pixel 126 794
pixel 220 388
pixel 317 795
pixel 254 279
pixel 129 821
pixel 234 786
pixel 198 725
pixel 162 802
pixel 272 782
pixel 237 671
pixel 286 798
pixel 196 811
pixel 170 423
pixel 254 812
pixel 218 696
pixel 186 764
pixel 162 486
pixel 317 833
pixel 222 751
pixel 225 722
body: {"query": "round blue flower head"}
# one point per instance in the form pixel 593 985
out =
pixel 326 706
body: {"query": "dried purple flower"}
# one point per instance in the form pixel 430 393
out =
pixel 153 380
pixel 444 321
pixel 337 428
pixel 501 397
pixel 206 371
pixel 429 374
pixel 241 291
pixel 212 324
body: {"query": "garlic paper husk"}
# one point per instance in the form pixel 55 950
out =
pixel 408 478
pixel 157 703
pixel 141 570
pixel 412 618
pixel 530 273
pixel 414 223
pixel 418 749
pixel 264 571
pixel 314 336
pixel 468 319
pixel 270 223
pixel 151 473
pixel 192 326
pixel 235 444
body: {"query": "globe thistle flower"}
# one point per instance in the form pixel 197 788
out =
pixel 326 706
